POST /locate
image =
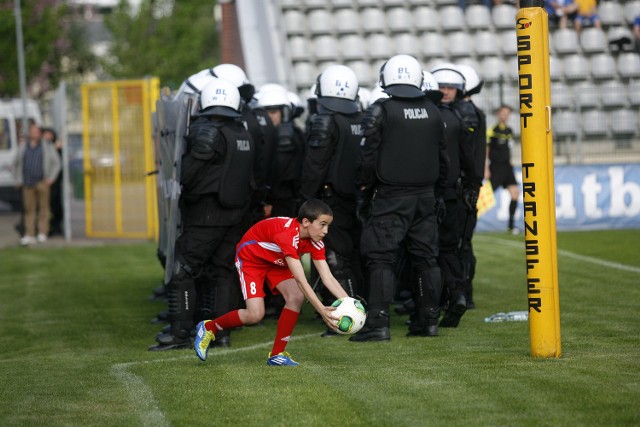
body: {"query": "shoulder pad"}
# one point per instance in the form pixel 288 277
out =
pixel 373 117
pixel 468 113
pixel 320 130
pixel 203 140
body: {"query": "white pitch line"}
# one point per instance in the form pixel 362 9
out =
pixel 568 254
pixel 142 395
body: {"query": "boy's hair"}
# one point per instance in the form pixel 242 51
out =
pixel 312 209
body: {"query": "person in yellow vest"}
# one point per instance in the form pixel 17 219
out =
pixel 587 15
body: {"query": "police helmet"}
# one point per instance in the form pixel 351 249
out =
pixel 273 97
pixel 237 76
pixel 473 83
pixel 337 89
pixel 220 98
pixel 194 83
pixel 449 75
pixel 430 87
pixel 296 104
pixel 401 76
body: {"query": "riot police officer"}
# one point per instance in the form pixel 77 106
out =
pixel 329 173
pixel 216 184
pixel 403 158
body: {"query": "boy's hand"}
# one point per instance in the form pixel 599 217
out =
pixel 328 318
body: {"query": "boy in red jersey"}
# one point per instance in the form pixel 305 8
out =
pixel 271 251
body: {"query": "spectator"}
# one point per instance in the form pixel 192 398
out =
pixel 55 225
pixel 560 11
pixel 586 15
pixel 36 167
pixel 636 33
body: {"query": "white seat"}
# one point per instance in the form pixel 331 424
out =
pixel 594 123
pixel 342 3
pixel 613 94
pixel 393 3
pixel 623 122
pixel 299 48
pixel 294 21
pixel 492 68
pixel 634 92
pixel 593 40
pixel 477 17
pixel 576 67
pixel 508 43
pixel 504 16
pixel 325 47
pixel 620 39
pixel 603 66
pixel 460 44
pixel 406 43
pixel 362 70
pixel 514 121
pixel 611 13
pixel 556 68
pixel 398 19
pixel 372 20
pixel 629 65
pixel 565 41
pixel 486 43
pixel 631 10
pixel 290 4
pixel 316 4
pixel 304 73
pixel 565 123
pixel 379 46
pixel 560 96
pixel 352 46
pixel 511 70
pixel 319 21
pixel 426 19
pixel 451 18
pixel 586 95
pixel 433 45
pixel 347 21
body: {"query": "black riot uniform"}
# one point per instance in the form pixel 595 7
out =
pixel 475 121
pixel 403 157
pixel 329 174
pixel 216 187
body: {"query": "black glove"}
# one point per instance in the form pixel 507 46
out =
pixel 470 198
pixel 440 209
pixel 363 203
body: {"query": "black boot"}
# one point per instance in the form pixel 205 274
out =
pixel 172 341
pixel 223 340
pixel 426 323
pixel 454 313
pixel 376 328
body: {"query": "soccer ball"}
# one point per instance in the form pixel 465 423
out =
pixel 350 315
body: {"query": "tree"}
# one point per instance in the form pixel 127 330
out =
pixel 168 39
pixel 54 45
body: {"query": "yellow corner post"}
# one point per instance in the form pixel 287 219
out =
pixel 537 179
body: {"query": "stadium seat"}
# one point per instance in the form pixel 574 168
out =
pixel 398 18
pixel 623 122
pixel 441 3
pixel 486 43
pixel 508 43
pixel 342 3
pixel 372 20
pixel 477 17
pixel 594 123
pixel 347 21
pixel 593 40
pixel 565 41
pixel 294 22
pixel 367 3
pixel 504 16
pixel 304 73
pixel 460 44
pixel 319 21
pixel 576 67
pixel 426 19
pixel 565 123
pixel 492 68
pixel 390 3
pixel 514 123
pixel 556 68
pixel 629 65
pixel 613 94
pixel 511 70
pixel 634 92
pixel 316 4
pixel 325 47
pixel 603 66
pixel 510 96
pixel 362 70
pixel 290 4
pixel 560 96
pixel 433 45
pixel 299 48
pixel 406 43
pixel 620 39
pixel 631 10
pixel 352 46
pixel 379 46
pixel 451 18
pixel 586 94
pixel 468 60
pixel 611 13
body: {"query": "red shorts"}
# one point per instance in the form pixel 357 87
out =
pixel 252 278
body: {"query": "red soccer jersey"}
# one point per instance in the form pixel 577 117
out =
pixel 272 239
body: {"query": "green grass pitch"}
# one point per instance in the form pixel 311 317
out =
pixel 75 327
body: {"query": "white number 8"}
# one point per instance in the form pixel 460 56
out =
pixel 253 289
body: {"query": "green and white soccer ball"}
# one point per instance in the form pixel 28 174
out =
pixel 350 315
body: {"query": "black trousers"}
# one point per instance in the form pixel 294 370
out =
pixel 448 259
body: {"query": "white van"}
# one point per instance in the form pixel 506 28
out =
pixel 11 111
